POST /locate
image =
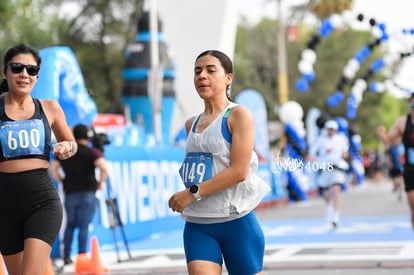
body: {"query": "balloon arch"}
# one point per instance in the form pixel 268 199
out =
pixel 359 86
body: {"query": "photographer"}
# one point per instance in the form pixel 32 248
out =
pixel 79 185
pixel 99 140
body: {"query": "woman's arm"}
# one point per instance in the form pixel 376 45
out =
pixel 67 145
pixel 241 126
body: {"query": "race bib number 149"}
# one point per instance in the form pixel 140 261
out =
pixel 196 168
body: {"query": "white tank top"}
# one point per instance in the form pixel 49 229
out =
pixel 212 149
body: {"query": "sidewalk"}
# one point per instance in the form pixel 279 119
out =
pixel 374 237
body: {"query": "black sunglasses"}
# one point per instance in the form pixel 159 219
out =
pixel 17 68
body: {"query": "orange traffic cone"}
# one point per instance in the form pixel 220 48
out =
pixel 49 268
pixel 96 263
pixel 82 264
pixel 2 267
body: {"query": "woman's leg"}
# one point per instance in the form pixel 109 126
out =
pixel 14 263
pixel 35 256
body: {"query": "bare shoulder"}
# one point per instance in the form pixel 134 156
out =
pixel 241 112
pixel 50 105
pixel 52 110
pixel 188 124
pixel 240 120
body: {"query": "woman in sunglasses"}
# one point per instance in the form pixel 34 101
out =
pixel 30 208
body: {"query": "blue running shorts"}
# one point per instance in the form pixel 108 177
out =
pixel 239 242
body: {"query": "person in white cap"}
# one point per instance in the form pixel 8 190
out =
pixel 328 154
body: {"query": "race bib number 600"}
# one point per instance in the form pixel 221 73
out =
pixel 21 138
pixel 196 168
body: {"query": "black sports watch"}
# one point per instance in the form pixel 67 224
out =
pixel 195 191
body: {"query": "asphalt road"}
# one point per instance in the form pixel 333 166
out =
pixel 374 237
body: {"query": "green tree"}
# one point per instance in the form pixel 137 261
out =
pixel 98 34
pixel 255 61
pixel 324 8
pixel 25 21
pixel 256 67
pixel 97 31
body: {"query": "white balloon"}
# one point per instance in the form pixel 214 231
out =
pixel 348 17
pixel 299 127
pixel 356 138
pixel 348 72
pixel 309 55
pixel 376 32
pixel 390 58
pixel 351 68
pixel 305 67
pixel 357 95
pixel 302 133
pixel 354 64
pixel 337 21
pixel 389 84
pixel 380 87
pixel 290 112
pixel 361 84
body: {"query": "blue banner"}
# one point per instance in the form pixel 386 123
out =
pixel 60 79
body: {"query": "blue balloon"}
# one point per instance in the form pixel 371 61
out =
pixel 351 113
pixel 377 65
pixel 355 145
pixel 351 107
pixel 362 54
pixel 302 85
pixel 292 135
pixel 384 37
pixel 295 187
pixel 336 98
pixel 310 76
pixel 373 87
pixel 326 28
pixel 342 124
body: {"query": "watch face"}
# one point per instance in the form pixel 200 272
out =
pixel 194 189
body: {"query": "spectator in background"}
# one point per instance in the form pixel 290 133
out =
pixel 77 175
pixel 329 151
pixel 367 163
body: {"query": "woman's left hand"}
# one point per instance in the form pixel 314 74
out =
pixel 63 149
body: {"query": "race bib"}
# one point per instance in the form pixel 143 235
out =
pixel 196 168
pixel 22 138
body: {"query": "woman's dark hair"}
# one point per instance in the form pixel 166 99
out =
pixel 12 52
pixel 225 62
